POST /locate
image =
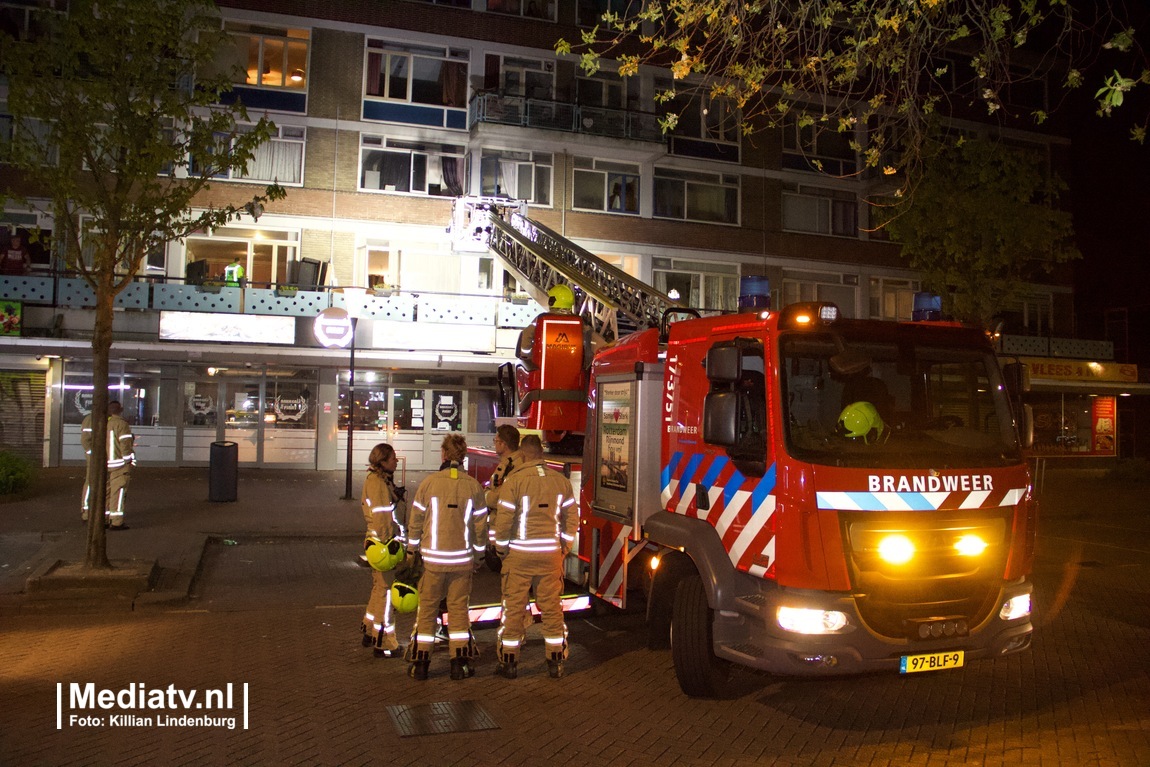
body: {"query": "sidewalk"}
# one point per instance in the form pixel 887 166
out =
pixel 170 521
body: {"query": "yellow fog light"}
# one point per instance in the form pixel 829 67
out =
pixel 970 545
pixel 804 620
pixel 1015 607
pixel 896 549
pixel 654 563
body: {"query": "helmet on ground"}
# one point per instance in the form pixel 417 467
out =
pixel 861 420
pixel 385 555
pixel 404 598
pixel 560 297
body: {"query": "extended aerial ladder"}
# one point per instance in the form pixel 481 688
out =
pixel 540 258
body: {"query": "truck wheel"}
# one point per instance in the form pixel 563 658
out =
pixel 700 673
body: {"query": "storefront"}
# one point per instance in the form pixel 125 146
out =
pixel 279 415
pixel 1081 407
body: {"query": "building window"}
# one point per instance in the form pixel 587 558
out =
pixel 533 9
pixel 702 285
pixel 603 89
pixel 26 20
pixel 382 265
pixel 279 159
pixel 417 74
pixel 816 147
pixel 602 185
pixel 394 165
pixel 530 78
pixel 838 289
pixel 519 175
pixel 700 116
pixel 268 256
pixel 820 211
pixel 696 196
pixel 590 12
pixel 892 299
pixel 266 56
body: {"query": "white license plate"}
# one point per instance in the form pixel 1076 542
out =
pixel 935 661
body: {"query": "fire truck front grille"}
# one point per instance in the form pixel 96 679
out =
pixel 946 583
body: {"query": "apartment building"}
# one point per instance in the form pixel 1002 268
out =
pixel 386 112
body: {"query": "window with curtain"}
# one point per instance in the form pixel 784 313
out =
pixel 699 284
pixel 395 165
pixel 416 74
pixel 603 185
pixel 519 175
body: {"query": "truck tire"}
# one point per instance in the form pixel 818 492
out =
pixel 700 673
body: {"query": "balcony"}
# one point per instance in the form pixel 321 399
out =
pixel 561 116
pixel 449 322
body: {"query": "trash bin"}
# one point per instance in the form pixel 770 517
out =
pixel 224 471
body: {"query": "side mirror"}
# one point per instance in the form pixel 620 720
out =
pixel 721 418
pixel 1026 427
pixel 1016 377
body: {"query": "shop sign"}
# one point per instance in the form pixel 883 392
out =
pixel 1054 369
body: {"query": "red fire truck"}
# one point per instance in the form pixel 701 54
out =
pixel 828 495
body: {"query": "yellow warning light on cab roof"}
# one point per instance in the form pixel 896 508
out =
pixel 809 314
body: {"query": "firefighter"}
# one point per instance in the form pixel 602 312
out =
pixel 535 525
pixel 121 458
pixel 234 273
pixel 385 513
pixel 448 528
pixel 507 448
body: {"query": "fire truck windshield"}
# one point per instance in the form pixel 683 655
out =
pixel 925 404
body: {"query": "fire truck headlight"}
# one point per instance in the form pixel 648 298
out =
pixel 802 620
pixel 1015 608
pixel 896 549
pixel 970 545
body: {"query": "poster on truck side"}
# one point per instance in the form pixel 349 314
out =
pixel 615 436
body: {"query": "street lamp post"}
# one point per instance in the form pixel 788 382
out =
pixel 353 299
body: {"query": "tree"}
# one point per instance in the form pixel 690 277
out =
pixel 118 126
pixel 880 71
pixel 982 222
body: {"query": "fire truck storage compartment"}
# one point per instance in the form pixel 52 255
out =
pixel 627 434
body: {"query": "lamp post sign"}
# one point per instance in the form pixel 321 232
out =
pixel 335 329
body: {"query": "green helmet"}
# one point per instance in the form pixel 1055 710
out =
pixel 861 420
pixel 404 598
pixel 385 555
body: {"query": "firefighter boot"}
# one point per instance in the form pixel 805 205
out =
pixel 421 660
pixel 461 669
pixel 508 666
pixel 555 665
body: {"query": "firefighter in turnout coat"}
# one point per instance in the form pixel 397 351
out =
pixel 121 459
pixel 448 527
pixel 535 526
pixel 385 514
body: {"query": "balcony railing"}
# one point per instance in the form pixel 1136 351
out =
pixel 562 116
pixel 63 291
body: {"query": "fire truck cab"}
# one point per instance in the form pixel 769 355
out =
pixel 828 496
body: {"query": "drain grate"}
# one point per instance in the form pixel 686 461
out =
pixel 440 718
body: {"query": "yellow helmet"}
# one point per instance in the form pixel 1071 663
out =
pixel 384 555
pixel 861 420
pixel 560 298
pixel 404 598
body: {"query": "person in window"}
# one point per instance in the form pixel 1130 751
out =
pixel 16 260
pixel 234 274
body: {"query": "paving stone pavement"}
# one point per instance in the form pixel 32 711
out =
pixel 279 610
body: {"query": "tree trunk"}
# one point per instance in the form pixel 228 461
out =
pixel 96 556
